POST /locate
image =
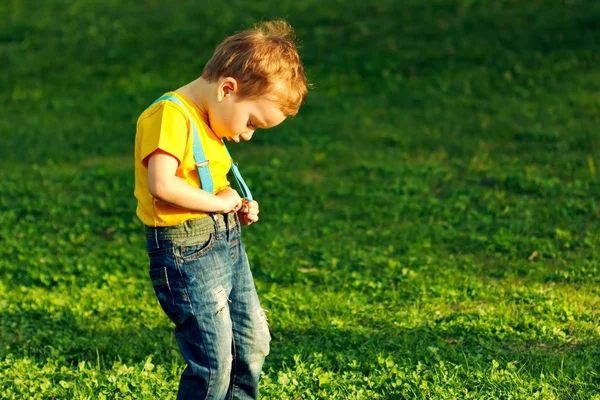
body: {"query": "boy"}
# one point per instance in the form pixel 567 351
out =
pixel 198 265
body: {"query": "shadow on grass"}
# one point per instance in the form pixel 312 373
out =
pixel 474 349
pixel 67 339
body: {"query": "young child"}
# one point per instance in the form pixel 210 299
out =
pixel 198 265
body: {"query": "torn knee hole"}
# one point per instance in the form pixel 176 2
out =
pixel 262 316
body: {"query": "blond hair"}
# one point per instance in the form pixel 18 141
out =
pixel 265 62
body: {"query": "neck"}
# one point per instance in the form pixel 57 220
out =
pixel 198 92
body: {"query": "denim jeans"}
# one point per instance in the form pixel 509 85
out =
pixel 201 276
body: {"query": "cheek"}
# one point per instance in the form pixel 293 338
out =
pixel 236 122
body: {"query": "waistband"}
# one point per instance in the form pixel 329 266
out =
pixel 193 227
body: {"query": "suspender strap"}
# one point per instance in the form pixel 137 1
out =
pixel 200 159
pixel 238 177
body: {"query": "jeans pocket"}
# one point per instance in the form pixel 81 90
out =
pixel 195 247
pixel 160 282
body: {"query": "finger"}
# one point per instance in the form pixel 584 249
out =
pixel 253 208
pixel 244 220
pixel 235 206
pixel 239 203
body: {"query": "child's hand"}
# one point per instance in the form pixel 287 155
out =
pixel 248 214
pixel 232 201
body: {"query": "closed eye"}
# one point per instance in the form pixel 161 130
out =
pixel 251 125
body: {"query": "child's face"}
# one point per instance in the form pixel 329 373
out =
pixel 234 119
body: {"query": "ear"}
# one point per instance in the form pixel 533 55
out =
pixel 226 87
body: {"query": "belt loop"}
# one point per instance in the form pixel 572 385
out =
pixel 237 223
pixel 214 219
pixel 227 227
pixel 216 225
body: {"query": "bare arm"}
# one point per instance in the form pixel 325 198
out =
pixel 166 186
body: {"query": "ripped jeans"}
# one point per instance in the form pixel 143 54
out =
pixel 201 276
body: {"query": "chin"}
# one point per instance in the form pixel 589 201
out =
pixel 221 136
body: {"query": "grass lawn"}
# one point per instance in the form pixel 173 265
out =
pixel 430 221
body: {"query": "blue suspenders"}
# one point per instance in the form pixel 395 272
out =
pixel 200 159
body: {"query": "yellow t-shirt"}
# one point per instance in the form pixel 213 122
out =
pixel 166 126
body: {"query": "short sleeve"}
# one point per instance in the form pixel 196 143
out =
pixel 166 129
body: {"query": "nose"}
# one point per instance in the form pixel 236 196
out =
pixel 247 135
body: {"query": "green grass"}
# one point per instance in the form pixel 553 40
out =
pixel 429 221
